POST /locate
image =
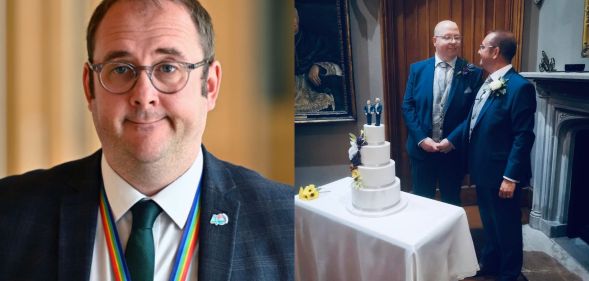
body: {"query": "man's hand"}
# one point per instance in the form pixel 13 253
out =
pixel 314 75
pixel 445 146
pixel 429 145
pixel 506 190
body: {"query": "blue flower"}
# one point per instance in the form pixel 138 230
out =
pixel 466 69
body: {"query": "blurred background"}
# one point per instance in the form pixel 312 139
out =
pixel 44 119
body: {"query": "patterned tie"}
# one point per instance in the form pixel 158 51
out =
pixel 440 94
pixel 140 252
pixel 479 101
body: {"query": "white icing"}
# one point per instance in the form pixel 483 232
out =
pixel 377 199
pixel 376 155
pixel 374 134
pixel 375 177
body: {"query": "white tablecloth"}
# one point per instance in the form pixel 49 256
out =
pixel 426 240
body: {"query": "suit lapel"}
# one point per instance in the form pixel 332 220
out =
pixel 428 76
pixel 78 218
pixel 217 242
pixel 492 99
pixel 456 81
pixel 486 106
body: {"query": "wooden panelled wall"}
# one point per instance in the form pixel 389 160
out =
pixel 407 30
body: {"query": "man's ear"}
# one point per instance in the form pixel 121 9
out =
pixel 213 83
pixel 496 52
pixel 86 76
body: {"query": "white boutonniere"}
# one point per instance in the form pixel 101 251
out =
pixel 498 87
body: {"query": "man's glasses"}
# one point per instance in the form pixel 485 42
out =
pixel 167 77
pixel 449 38
pixel 482 47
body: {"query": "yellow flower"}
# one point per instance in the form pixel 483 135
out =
pixel 310 192
pixel 357 179
pixel 355 174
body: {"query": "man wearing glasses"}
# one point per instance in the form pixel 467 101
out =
pixel 498 135
pixel 438 96
pixel 152 204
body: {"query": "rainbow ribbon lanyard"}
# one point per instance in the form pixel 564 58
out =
pixel 185 249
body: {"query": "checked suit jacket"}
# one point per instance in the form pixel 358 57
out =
pixel 48 223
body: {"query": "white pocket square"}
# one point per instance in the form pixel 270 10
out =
pixel 468 90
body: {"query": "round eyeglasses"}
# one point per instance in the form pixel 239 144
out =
pixel 167 77
pixel 448 38
pixel 482 47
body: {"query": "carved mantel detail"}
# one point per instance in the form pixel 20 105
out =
pixel 563 110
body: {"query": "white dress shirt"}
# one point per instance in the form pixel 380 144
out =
pixel 175 201
pixel 500 72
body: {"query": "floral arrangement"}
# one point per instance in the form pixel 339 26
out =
pixel 498 87
pixel 356 144
pixel 466 69
pixel 309 192
pixel 357 178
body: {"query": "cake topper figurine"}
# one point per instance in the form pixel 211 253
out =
pixel 368 110
pixel 377 111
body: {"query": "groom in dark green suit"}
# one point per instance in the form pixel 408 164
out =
pixel 438 96
pixel 152 203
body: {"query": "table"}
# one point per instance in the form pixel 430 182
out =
pixel 426 240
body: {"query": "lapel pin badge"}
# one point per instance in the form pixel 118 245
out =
pixel 219 219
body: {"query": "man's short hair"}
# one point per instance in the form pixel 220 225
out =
pixel 199 15
pixel 505 40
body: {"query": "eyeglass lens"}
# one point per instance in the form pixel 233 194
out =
pixel 449 38
pixel 166 77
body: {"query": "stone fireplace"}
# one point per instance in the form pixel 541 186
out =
pixel 563 112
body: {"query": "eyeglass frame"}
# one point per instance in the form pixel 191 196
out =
pixel 482 47
pixel 449 37
pixel 97 67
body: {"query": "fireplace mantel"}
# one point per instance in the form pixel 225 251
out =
pixel 556 75
pixel 562 111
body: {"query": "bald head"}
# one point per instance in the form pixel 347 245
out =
pixel 447 40
pixel 444 25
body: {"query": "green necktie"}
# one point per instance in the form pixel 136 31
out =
pixel 140 252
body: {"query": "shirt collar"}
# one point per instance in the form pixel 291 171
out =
pixel 175 199
pixel 500 72
pixel 451 62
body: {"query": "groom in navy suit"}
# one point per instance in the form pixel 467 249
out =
pixel 439 93
pixel 150 81
pixel 498 136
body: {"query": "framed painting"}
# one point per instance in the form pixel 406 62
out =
pixel 324 80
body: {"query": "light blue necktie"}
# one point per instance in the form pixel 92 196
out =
pixel 479 101
pixel 439 92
